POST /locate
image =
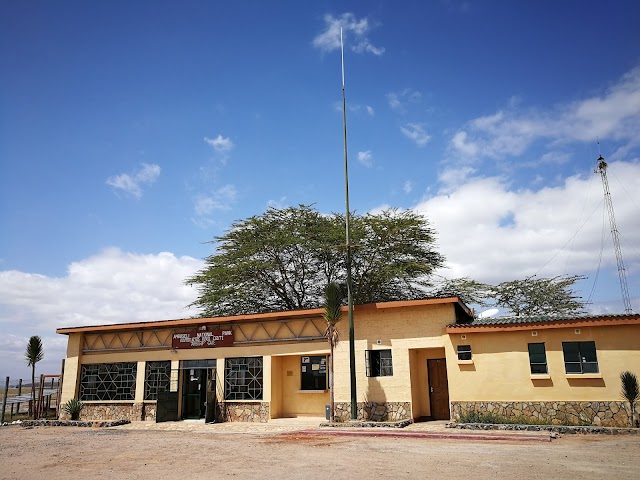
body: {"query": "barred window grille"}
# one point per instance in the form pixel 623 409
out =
pixel 108 381
pixel 378 363
pixel 243 378
pixel 156 379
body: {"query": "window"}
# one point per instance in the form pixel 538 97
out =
pixel 313 373
pixel 378 363
pixel 243 378
pixel 108 381
pixel 537 358
pixel 464 352
pixel 580 357
pixel 156 379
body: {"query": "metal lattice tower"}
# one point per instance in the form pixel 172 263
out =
pixel 602 170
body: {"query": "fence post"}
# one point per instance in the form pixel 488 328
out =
pixel 40 398
pixel 4 399
pixel 19 393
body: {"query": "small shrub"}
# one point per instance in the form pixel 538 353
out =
pixel 630 392
pixel 73 407
pixel 488 417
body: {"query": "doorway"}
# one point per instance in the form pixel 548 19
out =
pixel 438 388
pixel 198 393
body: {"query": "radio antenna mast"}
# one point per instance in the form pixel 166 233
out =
pixel 602 170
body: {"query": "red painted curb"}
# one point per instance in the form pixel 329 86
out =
pixel 441 435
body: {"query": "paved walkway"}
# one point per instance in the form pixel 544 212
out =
pixel 311 426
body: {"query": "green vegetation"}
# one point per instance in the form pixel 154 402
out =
pixel 73 407
pixel 630 392
pixel 479 417
pixel 332 315
pixel 33 355
pixel 284 258
pixel 531 296
pixel 492 418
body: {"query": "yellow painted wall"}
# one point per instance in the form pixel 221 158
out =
pixel 420 380
pixel 71 372
pixel 398 329
pixel 499 372
pixel 500 369
pixel 271 378
pixel 275 410
pixel 296 402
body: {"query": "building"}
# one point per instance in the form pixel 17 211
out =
pixel 418 359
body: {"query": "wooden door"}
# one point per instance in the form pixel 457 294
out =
pixel 210 406
pixel 438 388
pixel 167 407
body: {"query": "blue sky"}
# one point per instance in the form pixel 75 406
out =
pixel 132 133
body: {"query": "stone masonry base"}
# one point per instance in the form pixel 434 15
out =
pixel 376 412
pixel 244 411
pixel 115 411
pixel 603 413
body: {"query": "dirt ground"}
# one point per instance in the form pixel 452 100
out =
pixel 52 453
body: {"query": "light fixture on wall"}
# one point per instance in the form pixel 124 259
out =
pixel 534 334
pixel 577 331
pixel 378 342
pixel 463 337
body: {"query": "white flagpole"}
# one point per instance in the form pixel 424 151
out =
pixel 352 354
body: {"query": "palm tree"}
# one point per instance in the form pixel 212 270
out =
pixel 332 315
pixel 630 391
pixel 34 354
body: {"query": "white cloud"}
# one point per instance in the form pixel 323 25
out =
pixel 132 184
pixel 407 187
pixel 221 199
pixel 400 100
pixel 355 34
pixel 613 114
pixel 370 110
pixel 492 232
pixel 110 287
pixel 416 133
pixel 366 158
pixel 220 144
pixel 278 204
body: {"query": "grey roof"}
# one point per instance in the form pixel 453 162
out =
pixel 536 319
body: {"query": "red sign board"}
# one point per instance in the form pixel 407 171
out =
pixel 204 338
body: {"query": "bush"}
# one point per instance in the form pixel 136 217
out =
pixel 73 407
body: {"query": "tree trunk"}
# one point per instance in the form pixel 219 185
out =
pixel 331 399
pixel 33 391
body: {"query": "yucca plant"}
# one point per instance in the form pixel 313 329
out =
pixel 73 407
pixel 33 355
pixel 630 392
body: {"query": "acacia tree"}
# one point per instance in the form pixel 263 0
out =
pixel 283 259
pixel 531 296
pixel 332 315
pixel 469 291
pixel 539 296
pixel 33 355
